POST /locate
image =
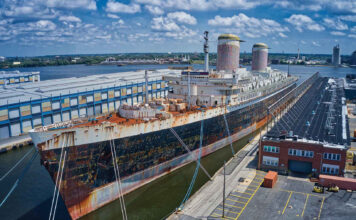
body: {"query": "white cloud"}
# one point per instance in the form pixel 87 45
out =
pixel 335 24
pixel 303 22
pixel 316 44
pixel 353 29
pixel 43 25
pixel 164 24
pixel 337 33
pixel 348 18
pixel 248 26
pixel 69 18
pixel 182 17
pixel 70 4
pixel 203 5
pixel 117 7
pixel 104 37
pixel 154 10
pixel 297 5
pixel 113 16
pixel 282 35
pixel 352 36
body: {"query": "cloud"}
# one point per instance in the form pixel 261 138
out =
pixel 43 25
pixel 172 25
pixel 352 36
pixel 335 6
pixel 70 4
pixel 282 35
pixel 348 18
pixel 164 24
pixel 182 17
pixel 316 44
pixel 353 29
pixel 203 5
pixel 113 16
pixel 154 10
pixel 298 5
pixel 248 26
pixel 117 7
pixel 335 24
pixel 337 33
pixel 69 18
pixel 104 37
pixel 302 22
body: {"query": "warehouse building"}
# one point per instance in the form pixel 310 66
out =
pixel 28 105
pixel 16 77
pixel 313 136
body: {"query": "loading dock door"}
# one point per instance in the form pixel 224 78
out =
pixel 4 132
pixel 299 166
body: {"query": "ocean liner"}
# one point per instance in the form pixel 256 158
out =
pixel 145 147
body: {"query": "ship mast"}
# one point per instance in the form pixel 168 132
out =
pixel 146 86
pixel 206 51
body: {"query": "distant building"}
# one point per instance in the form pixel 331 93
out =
pixel 16 63
pixel 353 58
pixel 336 59
pixel 2 59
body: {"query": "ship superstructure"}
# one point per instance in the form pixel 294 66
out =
pixel 141 134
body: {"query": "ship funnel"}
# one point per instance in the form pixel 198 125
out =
pixel 228 53
pixel 259 57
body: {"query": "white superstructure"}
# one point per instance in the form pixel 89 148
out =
pixel 217 89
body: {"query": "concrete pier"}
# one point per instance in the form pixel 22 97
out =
pixel 14 142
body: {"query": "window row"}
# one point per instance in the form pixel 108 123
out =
pixel 331 156
pixel 270 161
pixel 271 149
pixel 330 169
pixel 301 153
pixel 25 110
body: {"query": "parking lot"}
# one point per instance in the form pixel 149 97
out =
pixel 291 198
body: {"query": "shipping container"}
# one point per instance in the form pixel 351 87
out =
pixel 341 182
pixel 270 179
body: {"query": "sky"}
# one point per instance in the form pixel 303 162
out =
pixel 53 27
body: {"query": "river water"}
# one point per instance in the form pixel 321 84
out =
pixel 33 196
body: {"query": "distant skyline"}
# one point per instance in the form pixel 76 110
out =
pixel 51 27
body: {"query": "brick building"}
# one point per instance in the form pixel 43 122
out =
pixel 313 136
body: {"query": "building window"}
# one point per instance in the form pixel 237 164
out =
pixel 331 156
pixel 301 153
pixel 270 161
pixel 271 149
pixel 330 169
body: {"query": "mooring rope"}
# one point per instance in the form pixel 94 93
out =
pixel 24 171
pixel 117 176
pixel 18 162
pixel 191 185
pixel 65 140
pixel 229 135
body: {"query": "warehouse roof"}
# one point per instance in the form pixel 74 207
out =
pixel 319 116
pixel 9 74
pixel 44 89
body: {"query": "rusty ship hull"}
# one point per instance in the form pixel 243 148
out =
pixel 88 181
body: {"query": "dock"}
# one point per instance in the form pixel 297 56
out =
pixel 203 203
pixel 14 142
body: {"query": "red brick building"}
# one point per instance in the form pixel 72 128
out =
pixel 312 136
pixel 304 157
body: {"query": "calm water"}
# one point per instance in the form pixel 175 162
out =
pixel 32 198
